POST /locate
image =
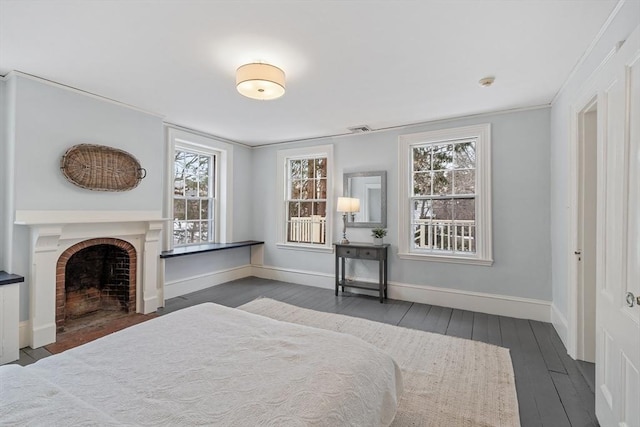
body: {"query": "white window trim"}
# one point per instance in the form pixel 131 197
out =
pixel 224 165
pixel 484 253
pixel 283 156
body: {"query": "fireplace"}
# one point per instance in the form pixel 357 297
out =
pixel 56 236
pixel 96 275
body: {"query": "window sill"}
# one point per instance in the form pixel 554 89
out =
pixel 446 258
pixel 308 248
pixel 207 247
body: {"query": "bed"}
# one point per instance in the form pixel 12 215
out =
pixel 207 365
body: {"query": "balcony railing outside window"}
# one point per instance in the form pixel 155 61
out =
pixel 311 229
pixel 445 235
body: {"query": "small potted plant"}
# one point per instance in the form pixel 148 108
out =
pixel 378 233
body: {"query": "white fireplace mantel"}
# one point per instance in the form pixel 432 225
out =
pixel 53 232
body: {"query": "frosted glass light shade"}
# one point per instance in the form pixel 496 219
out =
pixel 348 204
pixel 260 81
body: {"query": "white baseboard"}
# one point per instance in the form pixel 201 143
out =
pixel 560 324
pixel 23 334
pixel 501 305
pixel 301 277
pixel 203 281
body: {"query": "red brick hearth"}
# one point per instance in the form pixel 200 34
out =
pixel 104 279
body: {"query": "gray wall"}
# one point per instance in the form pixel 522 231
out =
pixel 49 119
pixel 521 244
pixel 619 29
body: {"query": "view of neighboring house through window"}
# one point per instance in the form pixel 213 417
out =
pixel 443 196
pixel 306 200
pixel 194 197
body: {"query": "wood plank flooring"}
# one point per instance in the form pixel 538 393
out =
pixel 553 389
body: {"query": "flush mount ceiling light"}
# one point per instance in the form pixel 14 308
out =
pixel 260 81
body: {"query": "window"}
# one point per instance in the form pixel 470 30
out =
pixel 199 170
pixel 194 197
pixel 446 195
pixel 305 178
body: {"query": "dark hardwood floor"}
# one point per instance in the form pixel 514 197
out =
pixel 553 389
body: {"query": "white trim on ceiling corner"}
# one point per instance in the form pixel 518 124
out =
pixel 81 91
pixel 266 145
pixel 170 125
pixel 589 49
pixel 410 125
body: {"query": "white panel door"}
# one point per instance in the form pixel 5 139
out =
pixel 618 255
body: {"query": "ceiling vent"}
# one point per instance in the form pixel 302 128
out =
pixel 360 129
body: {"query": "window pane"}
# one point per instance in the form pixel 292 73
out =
pixel 304 168
pixel 307 189
pixel 294 210
pixel 178 186
pixel 212 174
pixel 179 232
pixel 442 183
pixel 422 184
pixel 203 176
pixel 443 210
pixel 321 188
pixel 422 209
pixel 193 209
pixel 178 182
pixel 321 167
pixel 464 181
pixel 320 209
pixel 422 158
pixel 442 157
pixel 193 232
pixel 306 209
pixel 465 210
pixel 179 209
pixel 191 186
pixel 296 189
pixel 204 209
pixel 295 169
pixel 465 155
pixel 204 231
pixel 191 163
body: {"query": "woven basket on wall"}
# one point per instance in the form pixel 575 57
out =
pixel 101 168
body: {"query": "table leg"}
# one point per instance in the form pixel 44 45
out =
pixel 342 274
pixel 382 290
pixel 385 278
pixel 337 272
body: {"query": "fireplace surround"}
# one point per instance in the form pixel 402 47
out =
pixel 56 235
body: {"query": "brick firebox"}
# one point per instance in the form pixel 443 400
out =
pixel 74 300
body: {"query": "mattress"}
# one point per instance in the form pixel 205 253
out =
pixel 207 365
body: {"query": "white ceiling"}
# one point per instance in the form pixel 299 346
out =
pixel 382 63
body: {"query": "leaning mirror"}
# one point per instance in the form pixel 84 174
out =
pixel 371 189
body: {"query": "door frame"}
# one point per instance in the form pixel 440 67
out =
pixel 586 102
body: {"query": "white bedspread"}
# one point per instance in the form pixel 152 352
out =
pixel 207 365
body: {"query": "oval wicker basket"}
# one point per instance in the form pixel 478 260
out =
pixel 101 168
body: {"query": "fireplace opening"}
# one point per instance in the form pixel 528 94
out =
pixel 97 278
pixel 96 282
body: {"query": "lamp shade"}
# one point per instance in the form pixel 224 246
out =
pixel 260 81
pixel 348 204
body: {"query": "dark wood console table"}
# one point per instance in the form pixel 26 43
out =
pixel 362 251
